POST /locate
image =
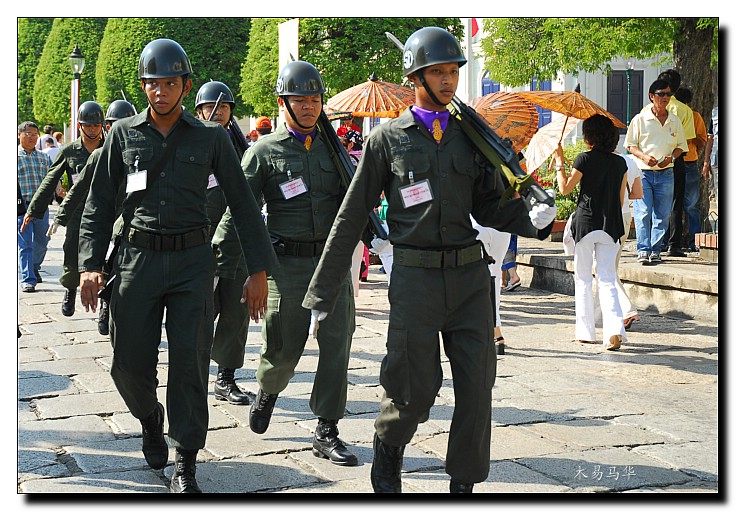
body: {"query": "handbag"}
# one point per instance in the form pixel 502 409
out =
pixel 109 270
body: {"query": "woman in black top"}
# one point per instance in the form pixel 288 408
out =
pixel 597 227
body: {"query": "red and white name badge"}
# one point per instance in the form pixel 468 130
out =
pixel 293 188
pixel 416 193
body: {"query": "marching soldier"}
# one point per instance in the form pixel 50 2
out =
pixel 70 161
pixel 229 343
pixel 163 157
pixel 433 179
pixel 71 206
pixel 294 172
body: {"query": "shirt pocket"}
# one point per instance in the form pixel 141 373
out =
pixel 330 181
pixel 410 165
pixel 142 154
pixel 284 169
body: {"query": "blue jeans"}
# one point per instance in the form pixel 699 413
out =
pixel 652 212
pixel 32 245
pixel 691 201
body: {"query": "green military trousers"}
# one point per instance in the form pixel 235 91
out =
pixel 457 303
pixel 231 331
pixel 70 276
pixel 285 334
pixel 149 284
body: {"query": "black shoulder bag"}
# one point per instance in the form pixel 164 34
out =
pixel 109 270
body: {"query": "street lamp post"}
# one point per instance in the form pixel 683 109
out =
pixel 76 60
pixel 630 67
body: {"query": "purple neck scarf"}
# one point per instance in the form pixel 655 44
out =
pixel 434 121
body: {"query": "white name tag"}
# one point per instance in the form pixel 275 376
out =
pixel 292 188
pixel 136 181
pixel 416 193
pixel 212 182
pixel 74 178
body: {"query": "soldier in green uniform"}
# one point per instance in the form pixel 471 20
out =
pixel 72 205
pixel 165 262
pixel 70 161
pixel 231 331
pixel 433 179
pixel 294 172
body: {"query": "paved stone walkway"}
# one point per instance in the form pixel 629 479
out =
pixel 566 417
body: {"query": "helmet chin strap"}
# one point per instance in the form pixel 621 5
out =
pixel 90 138
pixel 294 118
pixel 429 91
pixel 176 104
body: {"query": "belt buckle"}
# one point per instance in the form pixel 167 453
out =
pixel 449 259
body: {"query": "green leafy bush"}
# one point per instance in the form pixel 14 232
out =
pixel 546 177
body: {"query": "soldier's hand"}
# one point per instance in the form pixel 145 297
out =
pixel 26 220
pixel 256 293
pixel 542 214
pixel 90 283
pixel 53 227
pixel 315 318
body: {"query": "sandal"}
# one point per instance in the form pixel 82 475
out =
pixel 513 285
pixel 499 344
pixel 629 321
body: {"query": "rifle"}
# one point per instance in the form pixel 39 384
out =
pixel 496 150
pixel 239 140
pixel 345 168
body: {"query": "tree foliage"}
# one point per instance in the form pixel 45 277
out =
pixel 520 49
pixel 347 51
pixel 32 33
pixel 52 89
pixel 260 68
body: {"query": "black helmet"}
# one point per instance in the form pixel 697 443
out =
pixel 429 46
pixel 210 91
pixel 90 112
pixel 119 109
pixel 163 58
pixel 299 78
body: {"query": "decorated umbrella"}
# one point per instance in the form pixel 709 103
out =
pixel 569 103
pixel 373 99
pixel 546 140
pixel 509 115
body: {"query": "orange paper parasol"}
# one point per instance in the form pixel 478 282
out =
pixel 568 103
pixel 373 99
pixel 509 115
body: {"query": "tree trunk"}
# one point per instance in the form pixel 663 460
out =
pixel 692 59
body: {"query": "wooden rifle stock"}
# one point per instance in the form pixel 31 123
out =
pixel 345 167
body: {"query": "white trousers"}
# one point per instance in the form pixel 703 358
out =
pixel 600 245
pixel 628 309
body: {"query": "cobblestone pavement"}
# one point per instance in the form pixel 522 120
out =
pixel 567 418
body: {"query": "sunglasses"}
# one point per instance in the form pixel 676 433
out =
pixel 661 93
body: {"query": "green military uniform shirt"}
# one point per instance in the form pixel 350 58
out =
pixel 71 159
pixel 175 202
pixel 396 155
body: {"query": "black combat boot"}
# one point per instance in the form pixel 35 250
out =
pixel 386 471
pixel 183 479
pixel 459 487
pixel 155 449
pixel 326 444
pixel 226 389
pixel 103 318
pixel 261 409
pixel 67 305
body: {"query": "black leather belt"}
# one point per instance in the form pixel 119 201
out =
pixel 437 258
pixel 158 242
pixel 303 249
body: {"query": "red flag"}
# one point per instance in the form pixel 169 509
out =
pixel 474 27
